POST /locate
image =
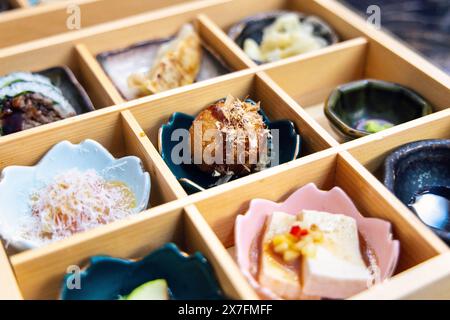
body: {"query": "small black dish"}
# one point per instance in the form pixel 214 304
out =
pixel 418 173
pixel 359 108
pixel 5 5
pixel 253 27
pixel 63 78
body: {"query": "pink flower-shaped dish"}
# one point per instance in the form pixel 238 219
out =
pixel 376 232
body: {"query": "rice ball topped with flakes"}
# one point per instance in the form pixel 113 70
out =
pixel 230 138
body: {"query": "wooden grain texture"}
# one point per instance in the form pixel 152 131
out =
pixel 231 12
pixel 222 44
pixel 109 128
pixel 96 80
pixel 39 272
pixel 294 88
pixel 428 281
pixel 119 33
pixel 202 238
pixel 153 111
pixel 388 59
pixel 151 115
pixel 27 147
pixel 314 137
pixel 137 143
pixel 372 150
pixel 418 243
pixel 387 65
pixel 310 78
pixel 42 21
pixel 9 290
pixel 220 207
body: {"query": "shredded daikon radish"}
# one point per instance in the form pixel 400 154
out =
pixel 74 202
pixel 286 37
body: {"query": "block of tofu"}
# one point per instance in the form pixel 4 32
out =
pixel 337 270
pixel 283 281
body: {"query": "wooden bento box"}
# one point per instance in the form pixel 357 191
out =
pixel 23 22
pixel 294 88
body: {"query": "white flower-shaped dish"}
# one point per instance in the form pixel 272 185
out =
pixel 17 183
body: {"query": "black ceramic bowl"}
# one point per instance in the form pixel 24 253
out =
pixel 423 168
pixel 5 5
pixel 253 27
pixel 359 108
pixel 63 78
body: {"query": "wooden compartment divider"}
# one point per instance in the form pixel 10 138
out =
pixel 428 280
pixel 203 239
pixel 310 78
pixel 151 112
pixel 339 65
pixel 126 140
pixel 97 79
pixel 216 36
pixel 418 244
pixel 19 26
pixel 40 272
pixel 9 288
pixel 139 143
pixel 370 194
pixel 309 123
pixel 210 35
pixel 372 150
pixel 294 89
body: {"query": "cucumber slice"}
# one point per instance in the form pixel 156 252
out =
pixel 153 290
pixel 62 106
pixel 23 77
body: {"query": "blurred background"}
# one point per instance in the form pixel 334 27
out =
pixel 423 25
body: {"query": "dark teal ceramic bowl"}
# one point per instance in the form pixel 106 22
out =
pixel 106 278
pixel 191 178
pixel 363 107
pixel 418 173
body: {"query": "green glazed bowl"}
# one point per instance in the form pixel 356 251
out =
pixel 363 107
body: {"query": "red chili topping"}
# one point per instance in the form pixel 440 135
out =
pixel 304 232
pixel 296 231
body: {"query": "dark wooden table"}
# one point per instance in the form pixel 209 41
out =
pixel 424 25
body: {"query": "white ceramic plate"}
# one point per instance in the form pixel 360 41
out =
pixel 17 183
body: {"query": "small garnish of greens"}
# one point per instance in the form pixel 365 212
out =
pixel 374 126
pixel 73 202
pixel 297 242
pixel 153 290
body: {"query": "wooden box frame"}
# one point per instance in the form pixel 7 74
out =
pixel 204 221
pixel 27 23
